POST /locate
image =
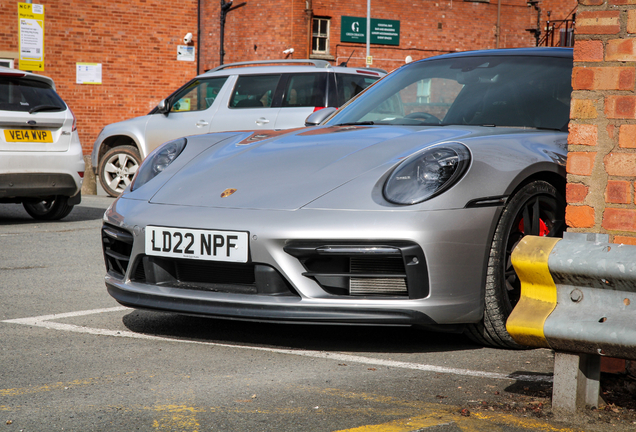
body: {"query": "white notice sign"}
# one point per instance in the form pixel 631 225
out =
pixel 185 53
pixel 88 73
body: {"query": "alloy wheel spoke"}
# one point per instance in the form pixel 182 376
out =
pixel 536 223
pixel 110 168
pixel 114 183
pixel 122 159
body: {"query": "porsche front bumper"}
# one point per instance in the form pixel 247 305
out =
pixel 444 255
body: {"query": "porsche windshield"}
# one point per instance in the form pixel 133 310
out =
pixel 511 90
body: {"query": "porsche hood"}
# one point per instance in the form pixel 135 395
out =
pixel 288 171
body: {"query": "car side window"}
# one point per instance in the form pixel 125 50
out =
pixel 199 95
pixel 432 96
pixel 350 85
pixel 305 90
pixel 254 91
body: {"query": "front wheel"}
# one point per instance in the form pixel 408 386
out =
pixel 536 209
pixel 49 209
pixel 117 168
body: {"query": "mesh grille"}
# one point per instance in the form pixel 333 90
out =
pixel 377 285
pixel 117 248
pixel 213 273
pixel 238 278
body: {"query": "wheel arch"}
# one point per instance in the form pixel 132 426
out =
pixel 556 177
pixel 490 331
pixel 117 141
pixel 548 172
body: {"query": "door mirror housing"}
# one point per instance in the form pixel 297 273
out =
pixel 319 116
pixel 163 107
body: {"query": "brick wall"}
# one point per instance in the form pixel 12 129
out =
pixel 261 30
pixel 134 40
pixel 602 141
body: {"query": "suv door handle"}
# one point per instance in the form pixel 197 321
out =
pixel 261 121
pixel 201 123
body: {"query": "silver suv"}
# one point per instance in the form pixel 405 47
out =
pixel 237 96
pixel 41 161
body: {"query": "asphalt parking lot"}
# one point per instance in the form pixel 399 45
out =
pixel 71 358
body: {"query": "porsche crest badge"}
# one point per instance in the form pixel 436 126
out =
pixel 227 192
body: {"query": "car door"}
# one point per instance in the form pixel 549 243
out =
pixel 251 105
pixel 191 111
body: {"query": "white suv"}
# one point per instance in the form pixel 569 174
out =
pixel 236 96
pixel 41 161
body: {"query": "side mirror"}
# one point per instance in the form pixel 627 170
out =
pixel 163 107
pixel 319 116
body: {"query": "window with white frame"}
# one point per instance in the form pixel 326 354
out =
pixel 7 62
pixel 320 36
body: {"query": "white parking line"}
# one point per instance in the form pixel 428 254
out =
pixel 46 322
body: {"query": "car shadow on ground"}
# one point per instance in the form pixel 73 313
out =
pixel 14 214
pixel 296 336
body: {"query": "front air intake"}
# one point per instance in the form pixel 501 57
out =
pixel 392 269
pixel 117 248
pixel 377 276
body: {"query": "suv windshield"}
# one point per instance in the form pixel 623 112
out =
pixel 519 91
pixel 25 95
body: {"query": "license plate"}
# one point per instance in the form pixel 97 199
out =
pixel 197 244
pixel 16 135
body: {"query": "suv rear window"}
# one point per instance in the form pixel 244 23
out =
pixel 23 95
pixel 305 90
pixel 350 85
pixel 254 91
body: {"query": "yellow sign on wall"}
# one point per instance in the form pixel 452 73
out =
pixel 31 42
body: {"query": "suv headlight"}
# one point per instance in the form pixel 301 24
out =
pixel 157 161
pixel 427 174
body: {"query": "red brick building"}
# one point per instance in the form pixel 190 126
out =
pixel 136 41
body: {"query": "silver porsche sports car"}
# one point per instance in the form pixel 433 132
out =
pixel 401 208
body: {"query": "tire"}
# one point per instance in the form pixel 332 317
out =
pixel 117 168
pixel 50 209
pixel 539 206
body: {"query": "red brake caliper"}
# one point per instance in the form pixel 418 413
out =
pixel 543 228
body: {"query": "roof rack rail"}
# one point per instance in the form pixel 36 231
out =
pixel 316 63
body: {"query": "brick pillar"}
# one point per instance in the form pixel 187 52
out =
pixel 602 142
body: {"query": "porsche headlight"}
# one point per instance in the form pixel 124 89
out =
pixel 157 161
pixel 427 174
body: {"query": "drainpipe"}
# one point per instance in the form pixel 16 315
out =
pixel 498 22
pixel 198 48
pixel 225 9
pixel 309 12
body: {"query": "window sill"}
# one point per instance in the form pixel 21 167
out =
pixel 322 57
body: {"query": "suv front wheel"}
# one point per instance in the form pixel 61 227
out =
pixel 117 168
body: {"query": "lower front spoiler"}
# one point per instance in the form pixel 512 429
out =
pixel 270 311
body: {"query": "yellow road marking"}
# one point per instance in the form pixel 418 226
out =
pixel 413 415
pixel 431 414
pixel 46 388
pixel 177 417
pixel 474 422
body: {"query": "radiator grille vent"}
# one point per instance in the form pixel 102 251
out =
pixel 395 269
pixel 236 278
pixel 117 247
pixel 377 285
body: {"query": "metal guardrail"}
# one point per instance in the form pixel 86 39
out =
pixel 578 298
